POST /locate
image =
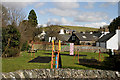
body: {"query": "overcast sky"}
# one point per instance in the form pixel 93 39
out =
pixel 88 14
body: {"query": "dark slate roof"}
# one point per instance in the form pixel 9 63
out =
pixel 52 33
pixel 98 34
pixel 89 37
pixel 64 37
pixel 106 37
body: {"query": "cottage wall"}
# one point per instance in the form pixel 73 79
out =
pixel 114 42
pixel 118 39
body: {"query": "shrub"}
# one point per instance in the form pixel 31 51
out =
pixel 12 52
pixel 10 41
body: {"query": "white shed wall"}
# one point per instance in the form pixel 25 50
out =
pixel 118 31
pixel 112 43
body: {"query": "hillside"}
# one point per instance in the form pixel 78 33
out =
pixel 76 28
pixel 79 29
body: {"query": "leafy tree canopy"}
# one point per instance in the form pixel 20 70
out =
pixel 114 24
pixel 10 41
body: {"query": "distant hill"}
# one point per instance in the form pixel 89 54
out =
pixel 76 28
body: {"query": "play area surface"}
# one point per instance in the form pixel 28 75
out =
pixel 42 59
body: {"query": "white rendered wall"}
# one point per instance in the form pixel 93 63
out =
pixel 118 31
pixel 114 42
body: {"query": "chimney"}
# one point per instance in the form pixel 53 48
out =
pixel 91 32
pixel 83 32
pixel 118 30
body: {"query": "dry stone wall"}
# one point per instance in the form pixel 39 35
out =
pixel 67 48
pixel 66 74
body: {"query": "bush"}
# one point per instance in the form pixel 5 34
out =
pixel 12 52
pixel 10 41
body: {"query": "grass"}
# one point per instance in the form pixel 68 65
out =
pixel 79 29
pixel 21 62
pixel 76 28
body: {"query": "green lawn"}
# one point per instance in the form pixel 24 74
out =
pixel 21 62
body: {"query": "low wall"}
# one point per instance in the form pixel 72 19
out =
pixel 67 48
pixel 60 74
pixel 90 49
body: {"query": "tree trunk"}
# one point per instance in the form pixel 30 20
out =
pixel 3 54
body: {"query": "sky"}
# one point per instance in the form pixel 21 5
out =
pixel 88 14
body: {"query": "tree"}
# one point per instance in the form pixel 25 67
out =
pixel 32 18
pixel 12 16
pixel 10 41
pixel 5 16
pixel 114 24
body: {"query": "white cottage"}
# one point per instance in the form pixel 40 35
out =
pixel 110 41
pixel 62 31
pixel 42 35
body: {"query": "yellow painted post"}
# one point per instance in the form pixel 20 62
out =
pixel 59 45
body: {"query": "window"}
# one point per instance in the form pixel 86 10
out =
pixel 84 36
pixel 73 37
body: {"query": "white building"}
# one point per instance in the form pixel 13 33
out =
pixel 114 42
pixel 110 41
pixel 42 35
pixel 62 31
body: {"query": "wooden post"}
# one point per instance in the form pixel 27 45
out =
pixel 99 58
pixel 78 57
pixel 59 48
pixel 52 54
pixel 75 54
pixel 31 48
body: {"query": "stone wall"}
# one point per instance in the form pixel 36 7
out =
pixel 90 49
pixel 60 74
pixel 67 48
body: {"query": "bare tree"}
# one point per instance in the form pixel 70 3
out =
pixel 12 16
pixel 16 16
pixel 5 16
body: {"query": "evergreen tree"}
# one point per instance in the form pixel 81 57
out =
pixel 114 24
pixel 32 18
